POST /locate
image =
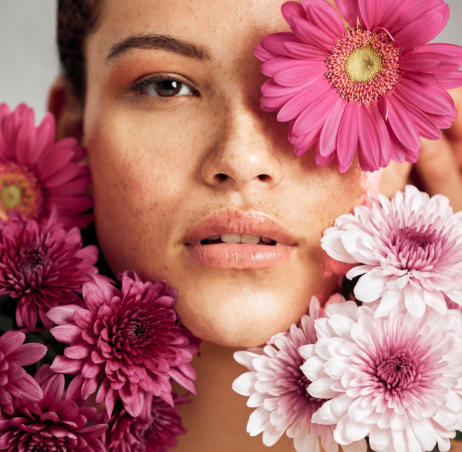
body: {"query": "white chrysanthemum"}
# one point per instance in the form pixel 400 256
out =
pixel 277 388
pixel 410 249
pixel 396 379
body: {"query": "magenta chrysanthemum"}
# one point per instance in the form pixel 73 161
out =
pixel 396 379
pixel 15 383
pixel 130 341
pixel 37 174
pixel 410 249
pixel 42 265
pixel 278 389
pixel 52 424
pixel 155 432
pixel 375 86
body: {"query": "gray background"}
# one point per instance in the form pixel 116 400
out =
pixel 28 55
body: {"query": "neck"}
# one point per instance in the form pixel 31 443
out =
pixel 216 420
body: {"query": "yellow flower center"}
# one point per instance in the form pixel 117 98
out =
pixel 11 196
pixel 363 65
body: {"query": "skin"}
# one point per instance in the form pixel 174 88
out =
pixel 155 164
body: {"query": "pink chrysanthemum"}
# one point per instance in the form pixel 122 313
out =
pixel 14 381
pixel 52 424
pixel 410 248
pixel 43 265
pixel 130 341
pixel 277 388
pixel 375 86
pixel 37 174
pixel 397 379
pixel 155 431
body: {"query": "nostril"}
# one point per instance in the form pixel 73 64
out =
pixel 264 177
pixel 221 176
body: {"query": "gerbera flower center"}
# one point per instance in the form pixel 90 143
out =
pixel 19 191
pixel 363 66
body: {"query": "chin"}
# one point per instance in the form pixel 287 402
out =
pixel 241 315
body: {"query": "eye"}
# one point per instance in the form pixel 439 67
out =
pixel 164 88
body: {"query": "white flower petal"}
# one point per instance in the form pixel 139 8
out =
pixel 359 270
pixel 370 287
pixel 454 401
pixel 314 368
pixel 435 299
pixel 245 359
pixel 356 431
pixel 347 309
pixel 360 246
pixel 259 421
pixel 390 300
pixel 399 422
pixel 379 439
pixel 356 446
pixel 256 399
pixel 332 244
pixel 306 351
pixel 245 384
pixel 321 388
pixel 340 405
pixel 415 303
pixel 424 433
pixel 337 366
pixel 304 442
pixel 324 415
pixel 271 436
pixel 341 325
pixel 340 432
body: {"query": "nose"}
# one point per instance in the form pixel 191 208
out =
pixel 243 155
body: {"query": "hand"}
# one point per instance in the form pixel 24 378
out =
pixel 439 168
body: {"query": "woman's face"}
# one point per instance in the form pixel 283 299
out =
pixel 180 152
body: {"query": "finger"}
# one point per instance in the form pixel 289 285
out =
pixel 438 170
pixel 454 134
pixel 394 177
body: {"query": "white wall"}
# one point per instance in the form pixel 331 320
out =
pixel 28 55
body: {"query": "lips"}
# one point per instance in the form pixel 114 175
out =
pixel 239 240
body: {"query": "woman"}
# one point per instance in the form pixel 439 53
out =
pixel 194 184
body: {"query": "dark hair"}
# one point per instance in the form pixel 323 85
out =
pixel 76 19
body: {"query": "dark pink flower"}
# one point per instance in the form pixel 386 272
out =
pixel 14 381
pixel 43 265
pixel 53 423
pixel 154 431
pixel 37 174
pixel 129 340
pixel 375 86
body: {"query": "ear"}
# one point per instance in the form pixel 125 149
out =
pixel 67 110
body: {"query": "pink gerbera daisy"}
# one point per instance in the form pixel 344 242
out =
pixel 409 252
pixel 130 341
pixel 51 424
pixel 43 265
pixel 37 174
pixel 278 389
pixel 374 85
pixel 396 379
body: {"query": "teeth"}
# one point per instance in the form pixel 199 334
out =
pixel 246 238
pixel 231 238
pixel 266 240
pixel 215 237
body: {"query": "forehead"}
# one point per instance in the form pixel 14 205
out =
pixel 220 25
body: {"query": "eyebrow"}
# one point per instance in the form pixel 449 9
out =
pixel 159 42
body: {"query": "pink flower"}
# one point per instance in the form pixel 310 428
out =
pixel 410 249
pixel 37 174
pixel 14 381
pixel 277 388
pixel 52 424
pixel 130 340
pixel 397 379
pixel 155 432
pixel 375 86
pixel 43 265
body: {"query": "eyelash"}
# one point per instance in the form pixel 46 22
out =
pixel 148 81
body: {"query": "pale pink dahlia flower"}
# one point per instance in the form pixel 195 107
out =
pixel 276 386
pixel 15 383
pixel 375 86
pixel 154 431
pixel 36 173
pixel 53 423
pixel 43 265
pixel 396 379
pixel 410 249
pixel 130 341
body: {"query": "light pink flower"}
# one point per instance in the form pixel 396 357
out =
pixel 42 264
pixel 53 423
pixel 376 86
pixel 410 251
pixel 154 431
pixel 396 379
pixel 130 341
pixel 14 381
pixel 276 386
pixel 37 174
